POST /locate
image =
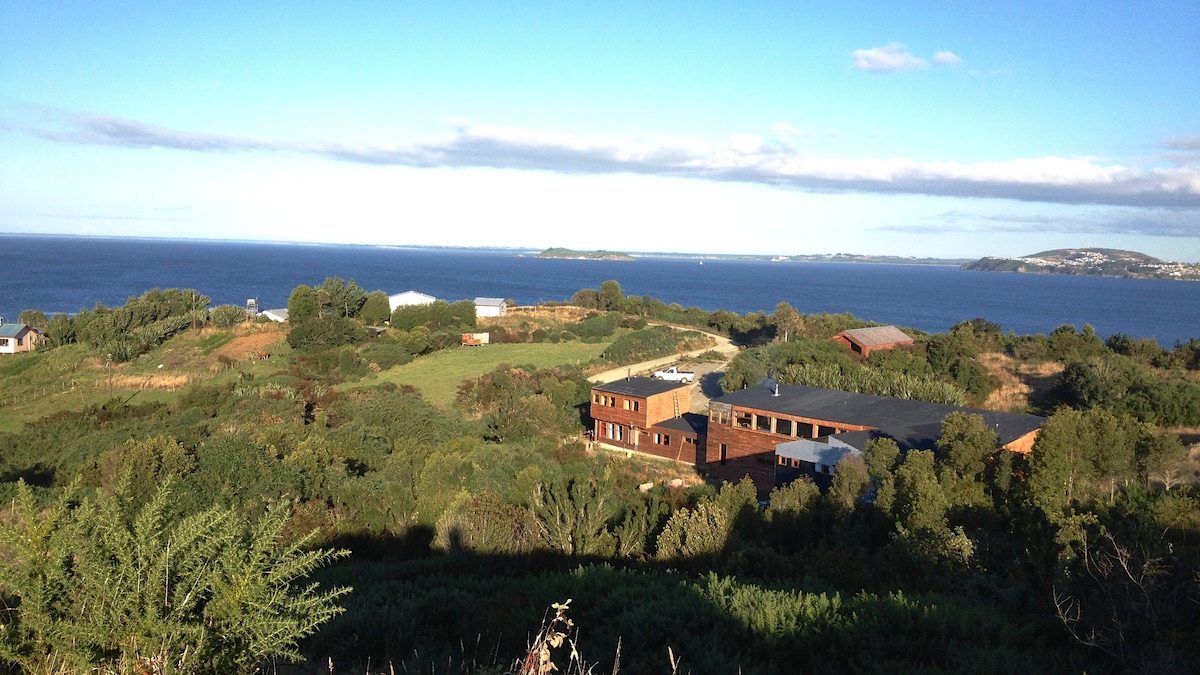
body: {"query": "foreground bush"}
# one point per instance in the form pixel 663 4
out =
pixel 95 586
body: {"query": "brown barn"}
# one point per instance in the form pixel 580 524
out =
pixel 866 340
pixel 745 427
pixel 649 416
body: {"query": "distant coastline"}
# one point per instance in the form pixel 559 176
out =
pixel 1096 262
pixel 1102 262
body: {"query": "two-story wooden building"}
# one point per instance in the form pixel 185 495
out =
pixel 649 416
pixel 746 428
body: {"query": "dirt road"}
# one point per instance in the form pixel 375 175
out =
pixel 708 374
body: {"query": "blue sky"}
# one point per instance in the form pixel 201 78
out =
pixel 942 129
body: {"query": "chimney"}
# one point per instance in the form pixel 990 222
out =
pixel 776 389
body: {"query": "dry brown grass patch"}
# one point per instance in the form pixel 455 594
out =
pixel 1017 382
pixel 159 382
pixel 249 346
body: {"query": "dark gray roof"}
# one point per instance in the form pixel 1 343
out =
pixel 903 418
pixel 687 422
pixel 639 386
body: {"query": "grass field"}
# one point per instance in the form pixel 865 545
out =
pixel 73 377
pixel 34 385
pixel 438 375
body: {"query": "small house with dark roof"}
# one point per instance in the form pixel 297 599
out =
pixel 648 416
pixel 18 337
pixel 866 340
pixel 746 427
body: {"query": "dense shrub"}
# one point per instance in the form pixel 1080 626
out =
pixel 435 316
pixel 328 331
pixel 596 326
pixel 651 343
pixel 386 353
pixel 225 316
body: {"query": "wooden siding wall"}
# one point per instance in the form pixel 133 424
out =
pixel 651 410
pixel 664 406
pixel 616 413
pixel 752 451
pixel 677 449
pixel 1024 444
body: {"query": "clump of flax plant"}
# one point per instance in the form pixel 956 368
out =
pixel 556 639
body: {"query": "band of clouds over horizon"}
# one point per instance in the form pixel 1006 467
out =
pixel 745 159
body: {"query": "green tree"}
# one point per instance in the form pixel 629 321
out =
pixel 345 298
pixel 920 502
pixel 882 455
pixel 587 298
pixel 329 331
pixel 33 317
pixel 376 309
pixel 611 296
pixel 1080 455
pixel 60 329
pixel 850 481
pixel 786 320
pixel 302 304
pixel 965 444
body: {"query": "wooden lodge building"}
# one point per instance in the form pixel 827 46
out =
pixel 777 432
pixel 753 430
pixel 649 416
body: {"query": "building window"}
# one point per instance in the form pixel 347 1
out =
pixel 763 423
pixel 825 469
pixel 626 403
pixel 724 452
pixel 745 420
pixel 783 461
pixel 666 440
pixel 3 342
pixel 783 427
pixel 595 398
pixel 795 464
pixel 612 401
pixel 718 417
pixel 689 440
pixel 636 406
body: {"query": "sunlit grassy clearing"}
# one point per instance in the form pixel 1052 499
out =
pixel 438 375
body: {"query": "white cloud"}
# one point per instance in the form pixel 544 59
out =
pixel 891 58
pixel 745 159
pixel 947 58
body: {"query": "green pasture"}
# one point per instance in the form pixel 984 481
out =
pixel 438 375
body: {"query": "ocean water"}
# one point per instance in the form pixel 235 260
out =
pixel 66 274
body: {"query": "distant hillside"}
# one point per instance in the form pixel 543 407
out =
pixel 569 254
pixel 1100 262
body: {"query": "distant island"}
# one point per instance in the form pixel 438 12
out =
pixel 1099 262
pixel 569 254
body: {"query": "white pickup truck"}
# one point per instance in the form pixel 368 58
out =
pixel 675 374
